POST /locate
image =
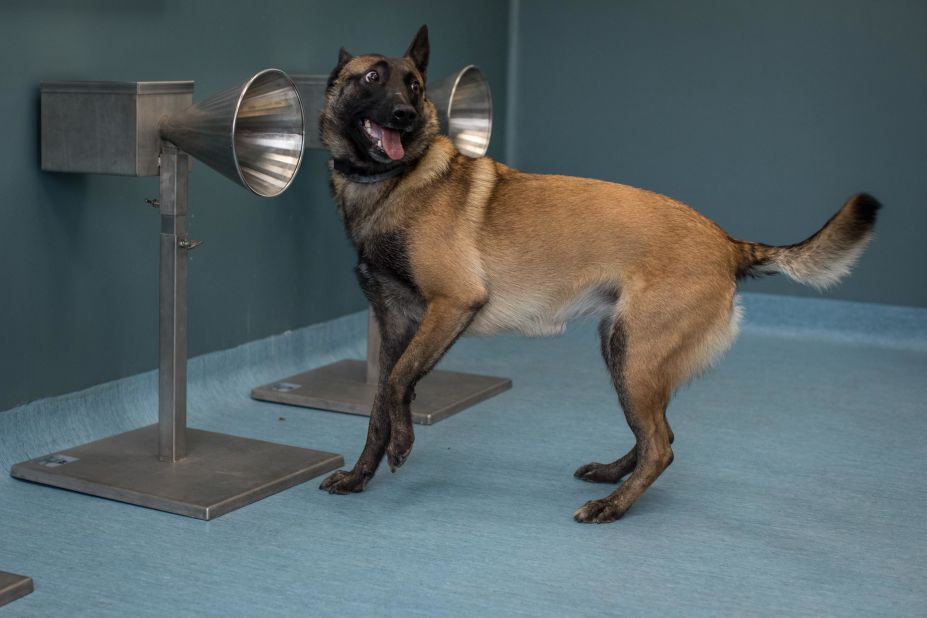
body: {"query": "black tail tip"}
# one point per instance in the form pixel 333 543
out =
pixel 865 207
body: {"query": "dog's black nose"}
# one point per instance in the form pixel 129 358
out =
pixel 404 113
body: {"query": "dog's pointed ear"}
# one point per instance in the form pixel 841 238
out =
pixel 419 49
pixel 344 56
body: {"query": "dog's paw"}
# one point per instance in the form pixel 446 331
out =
pixel 400 445
pixel 599 473
pixel 599 511
pixel 344 482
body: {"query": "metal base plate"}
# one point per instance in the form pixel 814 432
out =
pixel 343 387
pixel 220 473
pixel 13 586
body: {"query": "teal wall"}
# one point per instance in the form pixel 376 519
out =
pixel 79 256
pixel 763 115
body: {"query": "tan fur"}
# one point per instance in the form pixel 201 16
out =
pixel 530 246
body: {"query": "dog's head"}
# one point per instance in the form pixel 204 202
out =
pixel 376 115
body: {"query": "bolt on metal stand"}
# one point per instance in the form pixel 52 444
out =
pixel 13 587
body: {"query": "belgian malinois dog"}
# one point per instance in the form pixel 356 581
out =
pixel 447 245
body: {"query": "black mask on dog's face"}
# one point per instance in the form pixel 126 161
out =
pixel 377 107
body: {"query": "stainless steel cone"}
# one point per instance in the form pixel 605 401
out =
pixel 253 133
pixel 464 104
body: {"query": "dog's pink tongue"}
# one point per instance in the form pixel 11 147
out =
pixel 392 144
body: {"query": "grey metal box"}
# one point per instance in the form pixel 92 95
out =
pixel 107 127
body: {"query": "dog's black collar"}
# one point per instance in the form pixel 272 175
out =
pixel 356 175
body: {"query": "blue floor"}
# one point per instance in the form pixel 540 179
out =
pixel 799 488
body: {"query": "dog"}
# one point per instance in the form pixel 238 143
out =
pixel 449 245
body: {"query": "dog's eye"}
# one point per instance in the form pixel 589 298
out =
pixel 415 86
pixel 371 76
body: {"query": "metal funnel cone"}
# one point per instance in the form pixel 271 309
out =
pixel 464 105
pixel 252 134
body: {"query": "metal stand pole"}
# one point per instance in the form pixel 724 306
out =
pixel 351 385
pixel 373 348
pixel 13 587
pixel 172 349
pixel 167 466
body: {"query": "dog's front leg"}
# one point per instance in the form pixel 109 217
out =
pixel 443 322
pixel 396 331
pixel 404 359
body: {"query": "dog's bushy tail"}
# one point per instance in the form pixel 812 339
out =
pixel 823 259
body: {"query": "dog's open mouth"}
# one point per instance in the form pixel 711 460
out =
pixel 387 140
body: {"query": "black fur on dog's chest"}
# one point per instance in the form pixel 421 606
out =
pixel 387 254
pixel 385 274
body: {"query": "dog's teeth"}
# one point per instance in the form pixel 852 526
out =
pixel 380 143
pixel 367 124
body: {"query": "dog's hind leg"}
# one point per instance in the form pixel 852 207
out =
pixel 644 392
pixel 615 471
pixel 612 472
pixel 658 340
